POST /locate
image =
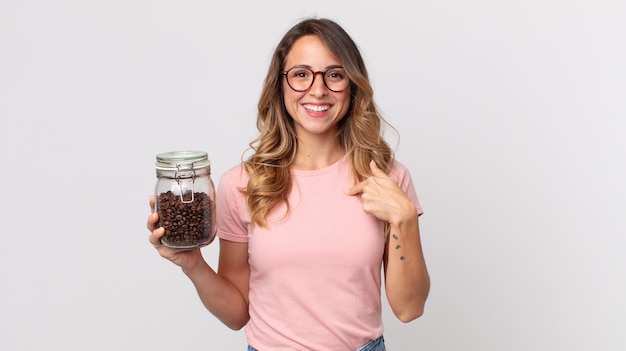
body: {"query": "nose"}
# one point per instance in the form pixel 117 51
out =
pixel 318 88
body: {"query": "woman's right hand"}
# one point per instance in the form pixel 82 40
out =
pixel 226 294
pixel 185 259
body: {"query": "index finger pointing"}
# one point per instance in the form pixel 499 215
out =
pixel 356 189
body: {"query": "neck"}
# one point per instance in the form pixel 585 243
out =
pixel 317 155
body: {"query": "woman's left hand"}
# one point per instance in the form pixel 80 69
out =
pixel 383 198
pixel 406 278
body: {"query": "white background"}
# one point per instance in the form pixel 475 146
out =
pixel 512 116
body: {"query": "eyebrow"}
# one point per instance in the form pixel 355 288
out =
pixel 311 68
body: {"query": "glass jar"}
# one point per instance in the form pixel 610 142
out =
pixel 185 199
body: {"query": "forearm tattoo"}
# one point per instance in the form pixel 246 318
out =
pixel 398 247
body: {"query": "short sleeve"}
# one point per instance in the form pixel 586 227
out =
pixel 402 177
pixel 232 213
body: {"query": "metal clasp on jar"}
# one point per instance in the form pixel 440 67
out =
pixel 182 178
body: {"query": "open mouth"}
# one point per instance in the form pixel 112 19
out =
pixel 316 108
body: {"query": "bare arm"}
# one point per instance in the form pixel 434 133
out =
pixel 407 282
pixel 223 293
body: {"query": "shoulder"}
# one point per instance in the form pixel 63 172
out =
pixel 237 176
pixel 399 171
pixel 232 181
pixel 401 175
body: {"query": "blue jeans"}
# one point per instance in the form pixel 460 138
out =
pixel 374 345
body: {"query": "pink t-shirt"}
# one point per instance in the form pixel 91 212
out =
pixel 315 275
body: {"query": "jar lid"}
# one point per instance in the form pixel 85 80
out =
pixel 182 160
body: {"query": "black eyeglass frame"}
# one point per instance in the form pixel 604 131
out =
pixel 315 73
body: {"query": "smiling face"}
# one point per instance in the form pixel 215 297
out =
pixel 315 111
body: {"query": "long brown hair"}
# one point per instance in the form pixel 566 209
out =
pixel 274 150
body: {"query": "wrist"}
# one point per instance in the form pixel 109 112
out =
pixel 402 218
pixel 195 267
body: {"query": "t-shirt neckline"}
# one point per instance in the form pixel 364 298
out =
pixel 314 172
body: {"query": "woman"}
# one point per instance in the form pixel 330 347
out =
pixel 309 219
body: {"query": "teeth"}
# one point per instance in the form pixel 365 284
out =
pixel 317 108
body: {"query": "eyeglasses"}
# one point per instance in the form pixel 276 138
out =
pixel 301 78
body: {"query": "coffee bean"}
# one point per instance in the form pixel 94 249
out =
pixel 187 225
